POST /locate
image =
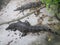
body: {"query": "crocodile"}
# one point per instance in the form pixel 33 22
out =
pixel 25 28
pixel 30 5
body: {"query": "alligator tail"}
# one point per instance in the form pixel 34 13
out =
pixel 42 28
pixel 36 28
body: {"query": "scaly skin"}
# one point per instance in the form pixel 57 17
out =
pixel 29 6
pixel 25 28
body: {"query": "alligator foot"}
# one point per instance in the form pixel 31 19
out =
pixel 24 34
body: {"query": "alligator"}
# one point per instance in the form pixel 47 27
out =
pixel 25 28
pixel 30 5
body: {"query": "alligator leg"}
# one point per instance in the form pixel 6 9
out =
pixel 14 29
pixel 21 11
pixel 24 34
